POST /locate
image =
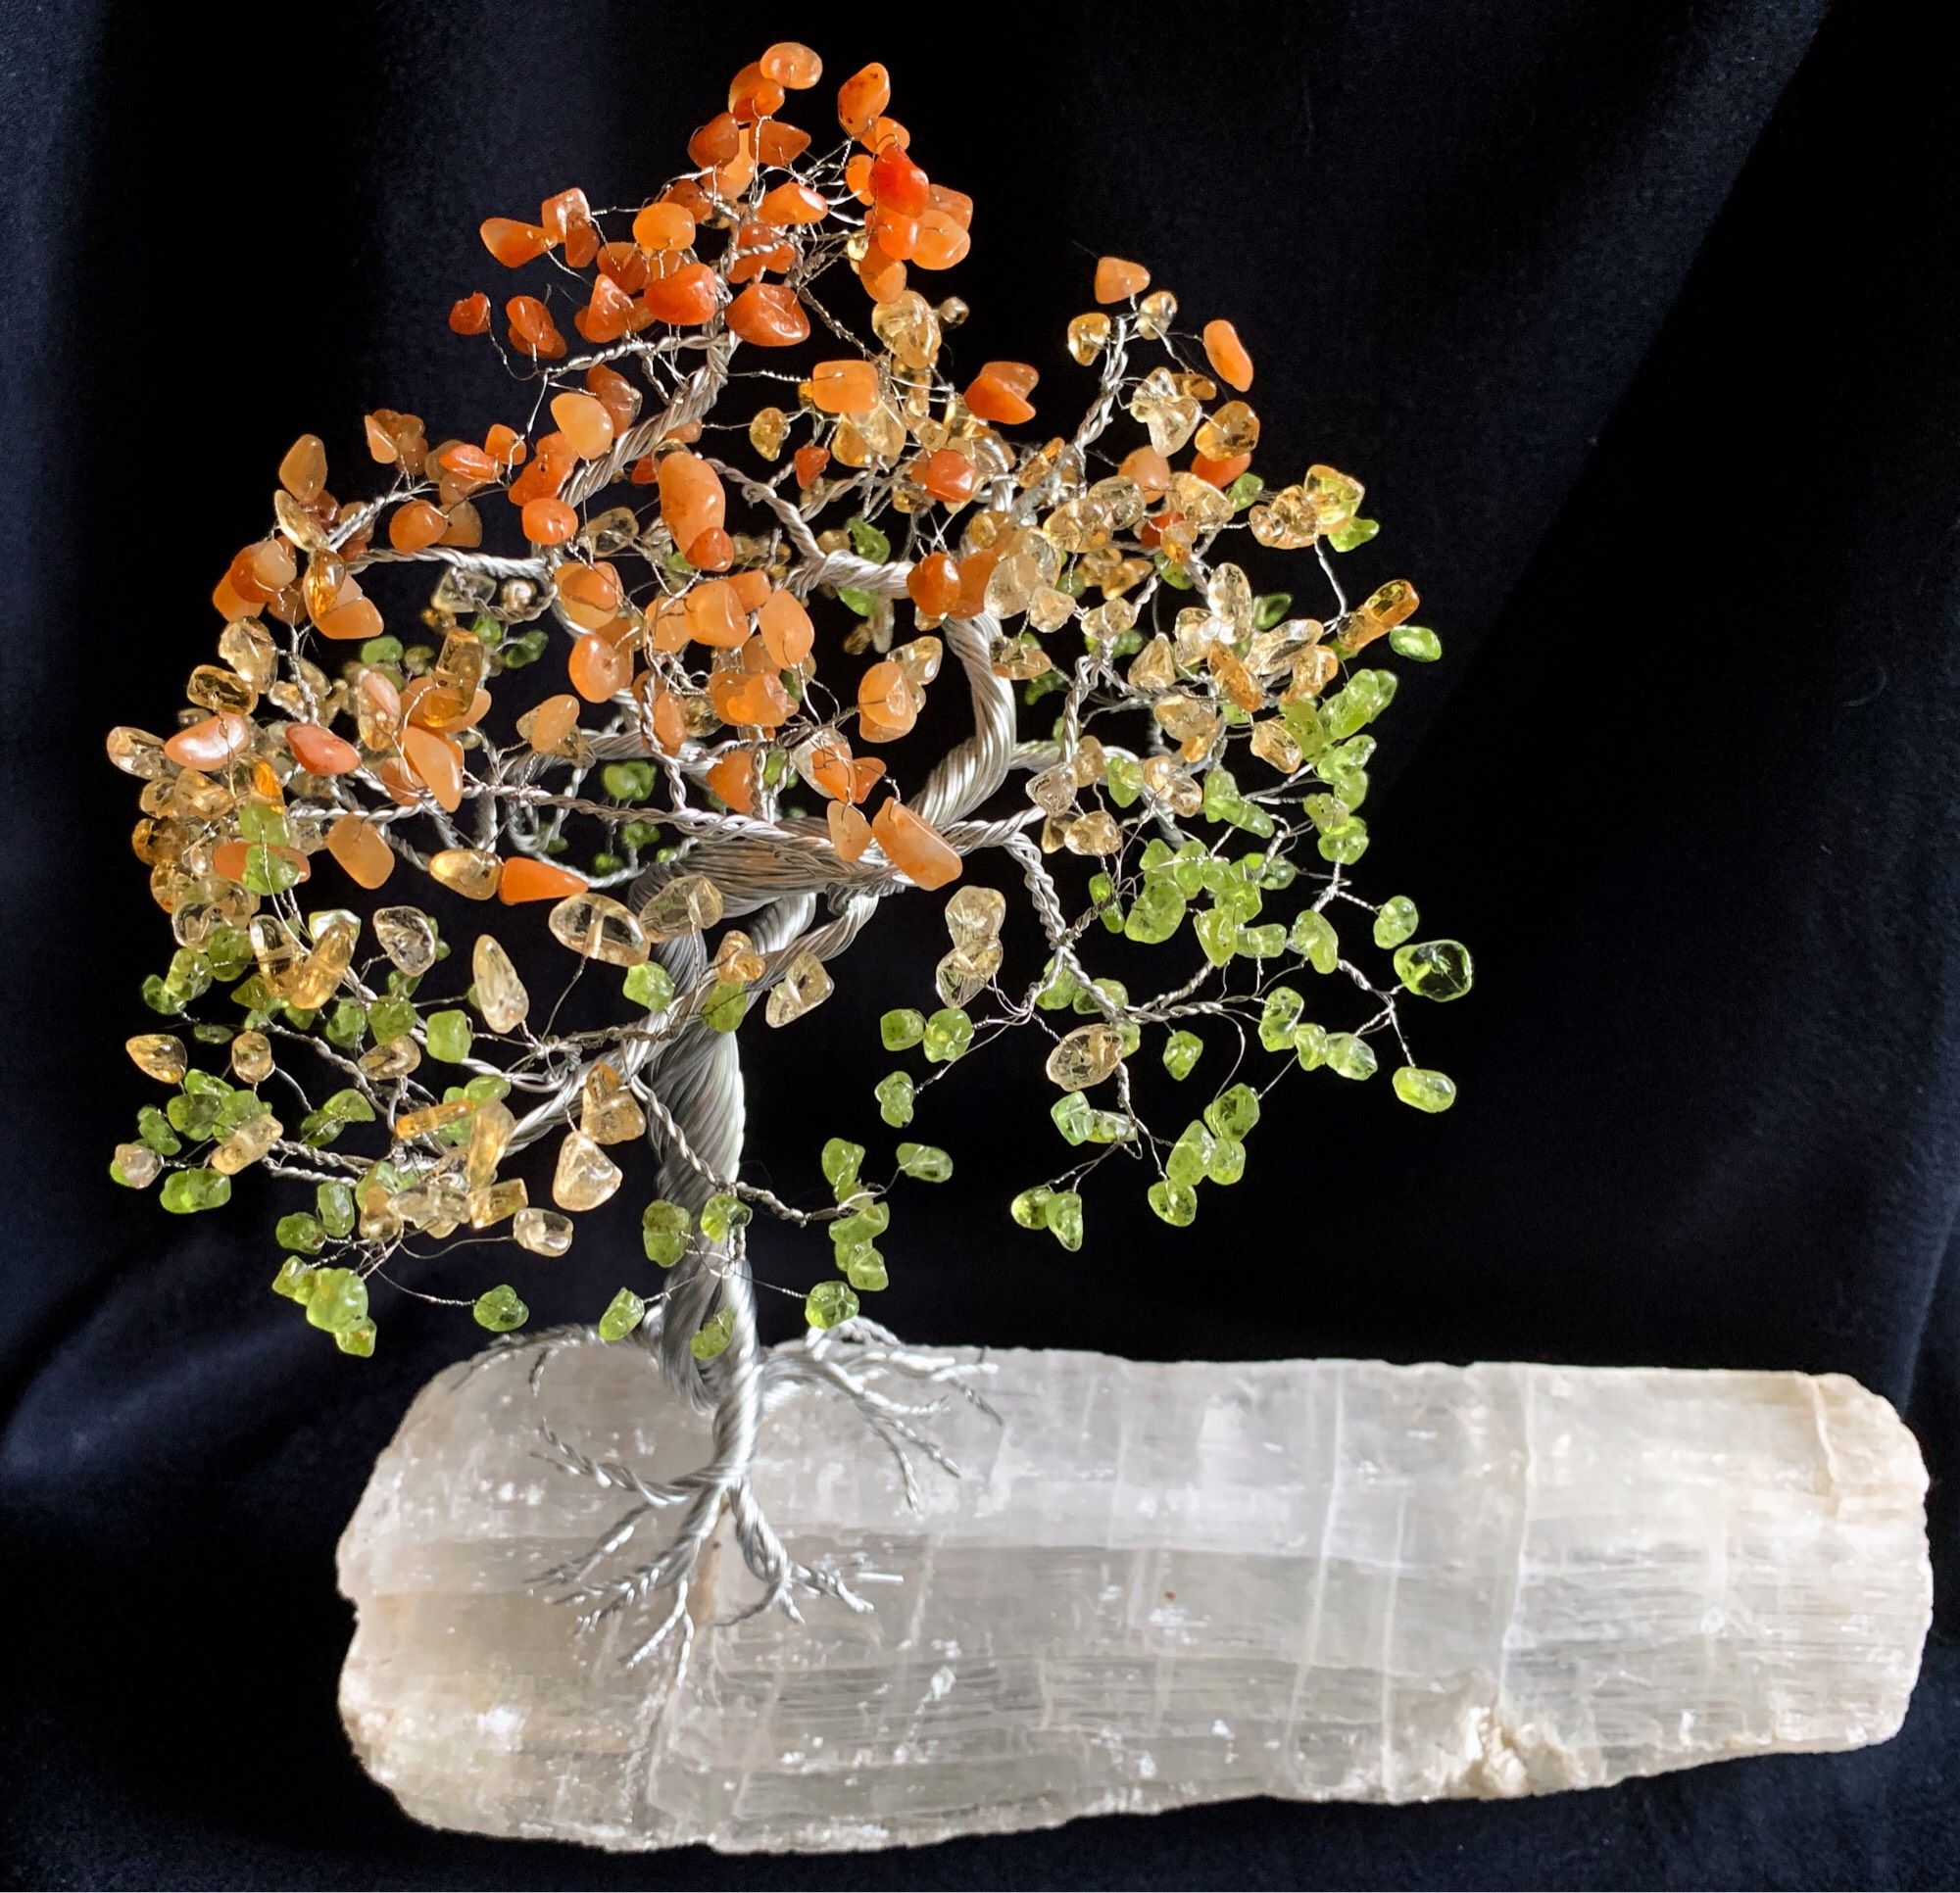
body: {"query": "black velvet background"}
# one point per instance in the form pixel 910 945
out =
pixel 1639 319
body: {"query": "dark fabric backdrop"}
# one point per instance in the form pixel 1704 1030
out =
pixel 1639 319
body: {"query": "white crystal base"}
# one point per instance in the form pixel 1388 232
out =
pixel 1155 1585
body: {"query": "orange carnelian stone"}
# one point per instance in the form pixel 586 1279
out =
pixel 1227 354
pixel 414 525
pixel 608 315
pixel 895 234
pixel 717 142
pixel 1000 391
pixel 752 588
pixel 512 243
pixel 713 551
pixel 955 204
pixel 663 712
pixel 942 240
pixel 692 499
pixel 663 226
pixel 533 330
pixel 471 315
pixel 792 203
pixel 733 779
pixel 752 94
pixel 768 314
pixel 687 298
pixel 810 463
pixel 303 470
pixel 210 743
pixel 787 632
pixel 320 752
pixel 1220 474
pixel 715 614
pixel 548 522
pixel 757 701
pixel 850 832
pixel 1147 468
pixel 550 723
pixel 597 668
pixel 948 475
pixel 362 850
pixel 229 860
pixel 791 63
pixel 621 398
pixel 354 618
pixel 437 762
pixel 585 423
pixel 900 184
pixel 1116 278
pixel 590 594
pixel 848 387
pixel 777 143
pixel 883 277
pixel 560 214
pixel 914 847
pixel 887 704
pixel 525 879
pixel 975 569
pixel 863 97
pixel 933 585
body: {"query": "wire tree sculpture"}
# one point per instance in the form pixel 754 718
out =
pixel 748 609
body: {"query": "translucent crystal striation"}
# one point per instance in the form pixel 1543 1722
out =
pixel 1155 1585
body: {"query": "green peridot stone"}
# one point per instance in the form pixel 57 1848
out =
pixel 269 872
pixel 1435 969
pixel 347 1025
pixel 154 1129
pixel 665 1229
pixel 390 1019
pixel 193 1113
pixel 1226 1162
pixel 649 984
pixel 948 1034
pixel 724 1006
pixel 1062 1213
pixel 1309 1045
pixel 1059 989
pixel 301 1230
pixel 264 821
pixel 1278 1018
pixel 1030 1208
pixel 1190 1156
pixel 1416 642
pixel 925 1161
pixel 865 1224
pixel 623 1313
pixel 1348 1056
pixel 901 1029
pixel 498 1309
pixel 1344 843
pixel 1395 921
pixel 356 1339
pixel 1313 937
pixel 864 1268
pixel 1155 914
pixel 894 1092
pixel 1262 943
pixel 487 1088
pixel 334 1205
pixel 628 781
pixel 1109 1127
pixel 448 1036
pixel 829 1304
pixel 1356 532
pixel 867 542
pixel 1124 780
pixel 294 1279
pixel 840 1160
pixel 1072 1114
pixel 1175 1202
pixel 338 1300
pixel 1232 1113
pixel 1269 607
pixel 1219 934
pixel 722 1214
pixel 1181 1053
pixel 713 1336
pixel 1426 1090
pixel 185 1192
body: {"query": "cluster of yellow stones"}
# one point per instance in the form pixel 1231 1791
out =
pixel 681 585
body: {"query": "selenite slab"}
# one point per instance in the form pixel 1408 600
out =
pixel 1155 1585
